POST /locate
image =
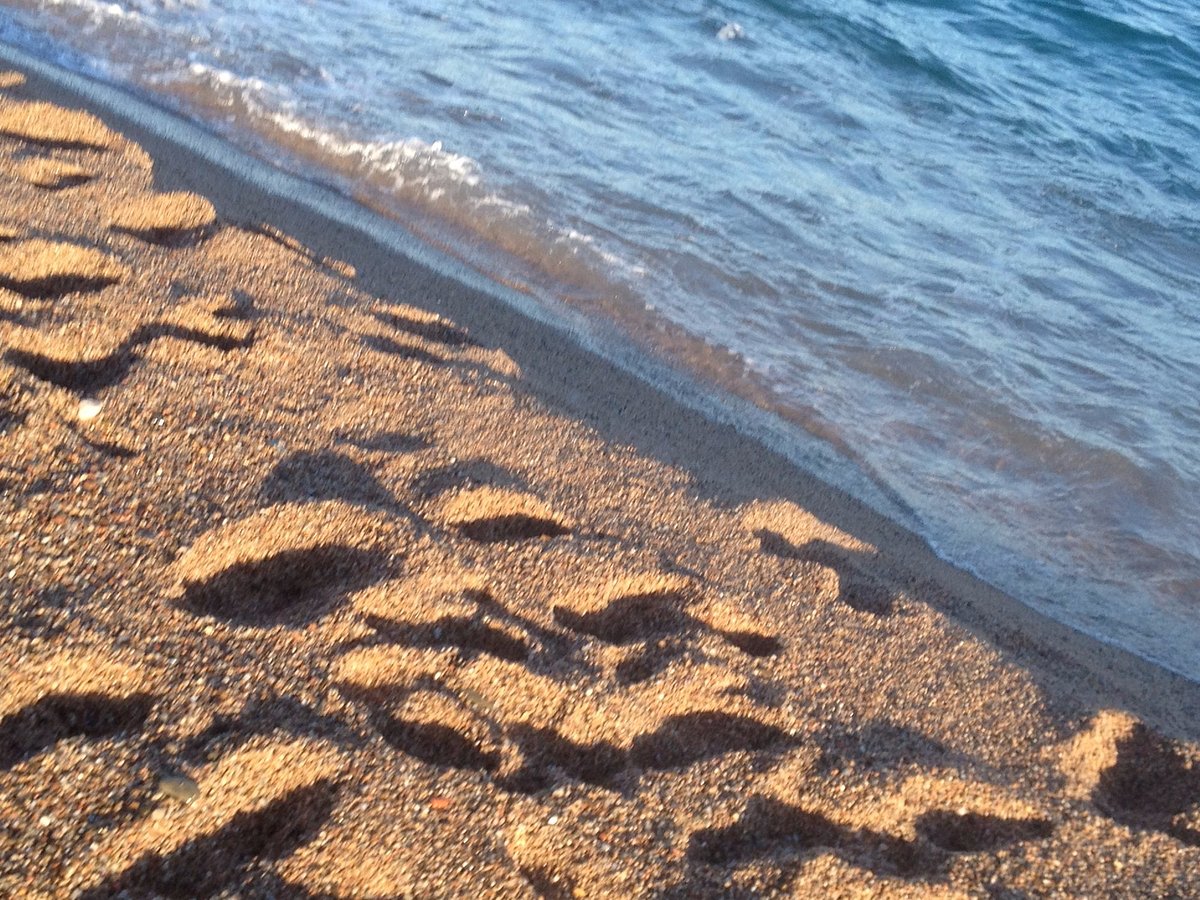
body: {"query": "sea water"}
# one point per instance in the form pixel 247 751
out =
pixel 958 242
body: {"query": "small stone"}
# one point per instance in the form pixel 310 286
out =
pixel 45 821
pixel 89 409
pixel 440 804
pixel 179 787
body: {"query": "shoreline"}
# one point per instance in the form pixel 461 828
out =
pixel 698 461
pixel 233 180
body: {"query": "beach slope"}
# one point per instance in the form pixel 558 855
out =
pixel 324 577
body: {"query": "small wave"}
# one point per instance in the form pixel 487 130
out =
pixel 409 162
pixel 441 195
pixel 224 78
pixel 97 10
pixel 412 165
pixel 1112 28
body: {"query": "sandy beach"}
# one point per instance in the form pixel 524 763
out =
pixel 325 575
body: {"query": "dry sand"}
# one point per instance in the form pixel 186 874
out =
pixel 309 588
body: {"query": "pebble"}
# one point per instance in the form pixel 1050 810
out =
pixel 477 702
pixel 179 787
pixel 89 409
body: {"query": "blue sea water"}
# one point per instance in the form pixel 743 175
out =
pixel 959 242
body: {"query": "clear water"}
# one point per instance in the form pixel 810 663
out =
pixel 960 242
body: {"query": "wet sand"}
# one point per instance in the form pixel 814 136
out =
pixel 326 575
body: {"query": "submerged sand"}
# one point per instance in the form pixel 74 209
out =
pixel 308 589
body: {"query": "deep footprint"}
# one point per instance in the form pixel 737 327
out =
pixel 856 591
pixel 293 583
pixel 769 826
pixel 54 718
pixel 207 865
pixel 466 633
pixel 762 829
pixel 164 218
pixel 440 736
pixel 86 375
pixel 1150 783
pixel 685 739
pixel 544 749
pixel 323 475
pixel 488 514
pixel 629 618
pixel 634 608
pixel 978 832
pixel 48 270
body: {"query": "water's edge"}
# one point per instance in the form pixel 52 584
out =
pixel 601 339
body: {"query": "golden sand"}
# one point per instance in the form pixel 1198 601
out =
pixel 310 588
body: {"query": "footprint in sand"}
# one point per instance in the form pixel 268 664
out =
pixel 455 683
pixel 324 475
pixel 790 532
pixel 768 826
pixel 170 218
pixel 635 608
pixel 529 730
pixel 48 270
pixel 52 174
pixel 426 337
pixel 913 833
pixel 218 322
pixel 1136 777
pixel 445 610
pixel 287 564
pixel 54 126
pixel 258 803
pixel 74 694
pixel 648 607
pixel 90 359
pixel 85 361
pixel 490 514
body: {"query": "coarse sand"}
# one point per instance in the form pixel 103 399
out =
pixel 318 582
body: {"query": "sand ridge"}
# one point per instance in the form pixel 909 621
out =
pixel 51 269
pixel 52 174
pixel 55 126
pixel 159 218
pixel 307 591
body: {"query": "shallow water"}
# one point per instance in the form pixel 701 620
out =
pixel 961 245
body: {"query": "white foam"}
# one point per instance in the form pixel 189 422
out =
pixel 227 79
pixel 508 208
pixel 409 161
pixel 96 10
